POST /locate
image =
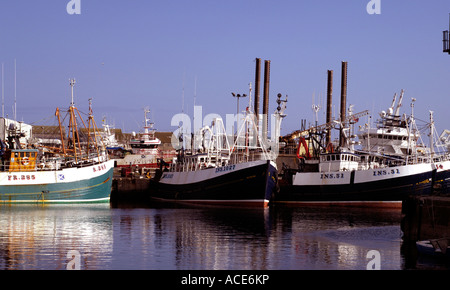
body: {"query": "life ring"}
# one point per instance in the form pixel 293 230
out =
pixel 25 161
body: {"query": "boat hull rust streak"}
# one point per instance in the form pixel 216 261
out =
pixel 246 184
pixel 90 184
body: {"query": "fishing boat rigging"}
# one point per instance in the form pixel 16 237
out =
pixel 389 163
pixel 215 170
pixel 74 170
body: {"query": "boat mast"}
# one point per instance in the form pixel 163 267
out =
pixel 411 126
pixel 94 128
pixel 146 110
pixel 250 97
pixel 73 129
pixel 15 90
pixel 72 84
pixel 88 128
pixel 60 130
pixel 3 92
pixel 431 134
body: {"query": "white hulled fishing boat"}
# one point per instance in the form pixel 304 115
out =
pixel 145 148
pixel 76 171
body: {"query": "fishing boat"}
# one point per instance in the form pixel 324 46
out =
pixel 216 172
pixel 145 148
pixel 434 247
pixel 109 139
pixel 390 164
pixel 78 171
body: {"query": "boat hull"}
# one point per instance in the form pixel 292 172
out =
pixel 385 187
pixel 148 161
pixel 433 248
pixel 89 184
pixel 442 178
pixel 142 160
pixel 246 184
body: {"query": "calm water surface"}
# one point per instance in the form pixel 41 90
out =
pixel 170 237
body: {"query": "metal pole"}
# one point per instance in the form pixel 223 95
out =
pixel 342 140
pixel 265 123
pixel 329 104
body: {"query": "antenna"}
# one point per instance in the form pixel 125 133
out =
pixel 3 92
pixel 15 90
pixel 195 89
pixel 445 39
pixel 146 111
pixel 193 118
pixel 250 97
pixel 315 108
pixel 238 96
pixel 182 96
pixel 90 107
pixel 72 83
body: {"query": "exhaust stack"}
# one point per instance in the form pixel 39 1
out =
pixel 257 86
pixel 257 91
pixel 265 123
pixel 329 104
pixel 342 140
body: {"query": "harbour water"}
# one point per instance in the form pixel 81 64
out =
pixel 175 237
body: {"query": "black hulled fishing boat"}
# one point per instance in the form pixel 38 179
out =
pixel 390 164
pixel 217 172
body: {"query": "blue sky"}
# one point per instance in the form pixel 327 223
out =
pixel 127 55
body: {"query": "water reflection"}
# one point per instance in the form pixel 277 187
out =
pixel 39 237
pixel 336 238
pixel 276 238
pixel 178 237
